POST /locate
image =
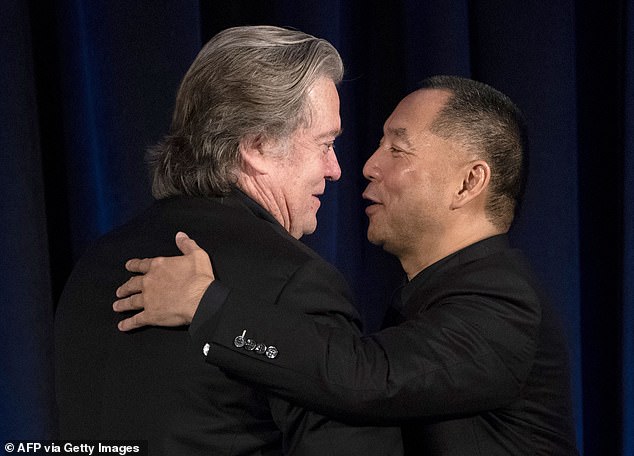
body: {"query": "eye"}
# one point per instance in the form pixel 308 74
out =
pixel 395 151
pixel 329 146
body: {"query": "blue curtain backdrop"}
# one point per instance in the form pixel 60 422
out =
pixel 87 86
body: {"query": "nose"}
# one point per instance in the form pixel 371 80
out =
pixel 371 168
pixel 333 171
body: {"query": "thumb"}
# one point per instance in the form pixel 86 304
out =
pixel 185 244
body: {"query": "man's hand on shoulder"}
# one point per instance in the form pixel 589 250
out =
pixel 168 289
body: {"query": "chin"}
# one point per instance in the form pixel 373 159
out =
pixel 374 239
pixel 310 228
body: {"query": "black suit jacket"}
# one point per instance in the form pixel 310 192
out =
pixel 478 367
pixel 153 384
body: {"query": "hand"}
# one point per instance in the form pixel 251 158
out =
pixel 168 290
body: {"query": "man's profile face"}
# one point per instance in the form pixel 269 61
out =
pixel 300 177
pixel 412 175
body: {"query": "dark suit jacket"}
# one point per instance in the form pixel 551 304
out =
pixel 479 367
pixel 153 383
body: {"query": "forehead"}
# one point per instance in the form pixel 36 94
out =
pixel 415 113
pixel 322 121
pixel 323 105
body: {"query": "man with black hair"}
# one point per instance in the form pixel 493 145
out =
pixel 475 362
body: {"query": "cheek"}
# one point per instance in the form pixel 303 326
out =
pixel 401 185
pixel 301 195
pixel 411 195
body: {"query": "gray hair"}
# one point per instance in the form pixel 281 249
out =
pixel 490 126
pixel 246 82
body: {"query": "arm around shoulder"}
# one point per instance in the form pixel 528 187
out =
pixel 441 363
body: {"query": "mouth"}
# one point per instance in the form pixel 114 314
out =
pixel 317 197
pixel 372 203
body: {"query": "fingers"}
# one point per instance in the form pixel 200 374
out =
pixel 139 265
pixel 134 302
pixel 185 244
pixel 168 290
pixel 135 321
pixel 132 286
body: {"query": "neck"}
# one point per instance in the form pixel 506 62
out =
pixel 257 188
pixel 429 251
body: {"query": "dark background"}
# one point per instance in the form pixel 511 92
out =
pixel 87 86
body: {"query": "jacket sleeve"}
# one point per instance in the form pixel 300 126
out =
pixel 465 354
pixel 304 431
pixel 307 433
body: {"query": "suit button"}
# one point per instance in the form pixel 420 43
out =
pixel 250 344
pixel 260 349
pixel 271 352
pixel 239 340
pixel 206 349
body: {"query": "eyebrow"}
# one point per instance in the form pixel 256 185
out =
pixel 400 133
pixel 332 133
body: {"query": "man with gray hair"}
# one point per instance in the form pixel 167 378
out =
pixel 247 157
pixel 474 362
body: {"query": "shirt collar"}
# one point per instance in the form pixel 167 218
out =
pixel 470 253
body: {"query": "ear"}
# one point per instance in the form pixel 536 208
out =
pixel 475 180
pixel 253 152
